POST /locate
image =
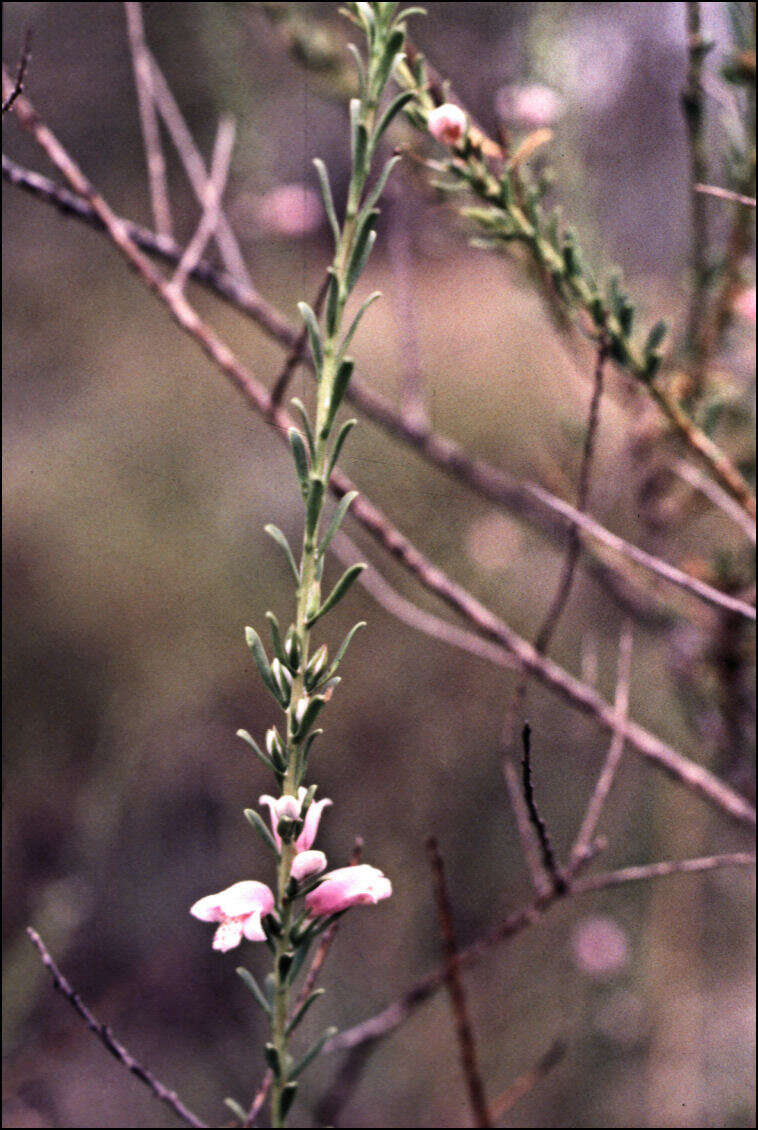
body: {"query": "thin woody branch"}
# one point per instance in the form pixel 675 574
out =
pixel 566 686
pixel 109 1041
pixel 18 83
pixel 143 80
pixel 532 502
pixel 463 1028
pixel 548 856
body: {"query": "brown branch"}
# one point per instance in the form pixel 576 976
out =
pixel 463 1029
pixel 143 81
pixel 548 857
pixel 18 82
pixel 613 759
pixel 109 1041
pixel 526 1082
pixel 726 194
pixel 572 690
pixel 532 502
pixel 524 826
pixel 695 478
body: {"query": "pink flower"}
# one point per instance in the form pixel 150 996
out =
pixel 348 886
pixel 447 123
pixel 290 806
pixel 238 909
pixel 307 863
pixel 529 107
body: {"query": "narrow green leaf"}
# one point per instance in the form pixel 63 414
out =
pixel 287 1098
pixel 339 388
pixel 381 181
pixel 346 644
pixel 275 533
pixel 312 1052
pixel 302 411
pixel 389 115
pixel 297 443
pixel 272 1059
pixel 256 749
pixel 326 193
pixel 253 641
pixel 355 112
pixel 254 988
pixel 336 521
pixel 656 336
pixel 332 301
pixel 311 713
pixel 343 584
pixel 263 831
pixel 236 1109
pixel 360 68
pixel 356 322
pixel 276 639
pixel 361 248
pixel 300 1013
pixel 392 51
pixel 313 506
pixel 314 335
pixel 344 431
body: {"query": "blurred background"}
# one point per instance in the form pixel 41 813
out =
pixel 136 488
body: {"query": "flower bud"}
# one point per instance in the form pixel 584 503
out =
pixel 316 667
pixel 292 649
pixel 447 124
pixel 307 863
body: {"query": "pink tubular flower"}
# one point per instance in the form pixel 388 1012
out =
pixel 348 886
pixel 447 123
pixel 290 806
pixel 239 910
pixel 307 863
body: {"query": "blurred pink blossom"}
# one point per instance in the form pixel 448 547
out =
pixel 529 107
pixel 290 210
pixel 744 303
pixel 348 886
pixel 600 947
pixel 307 863
pixel 289 807
pixel 238 909
pixel 447 123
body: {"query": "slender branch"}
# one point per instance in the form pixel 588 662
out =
pixel 693 105
pixel 463 1028
pixel 526 831
pixel 194 166
pixel 143 80
pixel 572 690
pixel 548 857
pixel 613 759
pixel 21 69
pixel 695 478
pixel 383 1023
pixel 211 202
pixel 526 1082
pixel 109 1041
pixel 726 194
pixel 531 501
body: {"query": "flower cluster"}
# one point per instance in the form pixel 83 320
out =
pixel 240 909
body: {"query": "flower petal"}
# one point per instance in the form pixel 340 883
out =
pixel 245 898
pixel 308 863
pixel 228 935
pixel 310 827
pixel 252 928
pixel 208 909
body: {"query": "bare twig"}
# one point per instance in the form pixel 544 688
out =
pixel 383 1023
pixel 532 502
pixel 695 478
pixel 726 194
pixel 463 1028
pixel 194 166
pixel 143 80
pixel 613 759
pixel 21 69
pixel 211 202
pixel 526 831
pixel 371 517
pixel 298 351
pixel 109 1041
pixel 526 1082
pixel 548 857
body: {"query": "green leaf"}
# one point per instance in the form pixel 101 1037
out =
pixel 236 1109
pixel 344 431
pixel 389 115
pixel 339 388
pixel 343 584
pixel 254 988
pixel 253 641
pixel 256 750
pixel 336 521
pixel 313 506
pixel 314 335
pixel 392 50
pixel 310 714
pixel 302 411
pixel 381 181
pixel 656 336
pixel 356 322
pixel 256 820
pixel 346 644
pixel 360 68
pixel 287 1098
pixel 300 1013
pixel 272 1059
pixel 275 533
pixel 297 443
pixel 326 193
pixel 276 638
pixel 332 301
pixel 312 1052
pixel 365 237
